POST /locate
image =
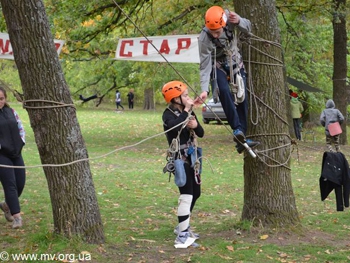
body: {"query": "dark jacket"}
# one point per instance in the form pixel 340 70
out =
pixel 170 120
pixel 10 140
pixel 335 175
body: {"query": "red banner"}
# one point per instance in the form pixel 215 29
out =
pixel 6 51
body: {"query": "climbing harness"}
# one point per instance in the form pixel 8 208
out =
pixel 214 82
pixel 236 83
pixel 176 160
pixel 228 66
pixel 253 96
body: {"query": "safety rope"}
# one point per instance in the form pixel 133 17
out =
pixel 253 97
pixel 174 150
pixel 97 157
pixel 57 104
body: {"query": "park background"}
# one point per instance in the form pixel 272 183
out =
pixel 308 57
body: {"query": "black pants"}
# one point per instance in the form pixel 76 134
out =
pixel 131 104
pixel 13 181
pixel 118 104
pixel 296 123
pixel 191 187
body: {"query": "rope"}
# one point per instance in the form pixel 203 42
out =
pixel 177 72
pixel 150 42
pixel 58 104
pixel 98 157
pixel 252 96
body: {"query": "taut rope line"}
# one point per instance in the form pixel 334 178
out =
pixel 251 91
pixel 252 95
pixel 97 157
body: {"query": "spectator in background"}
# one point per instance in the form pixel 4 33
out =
pixel 296 111
pixel 131 98
pixel 12 140
pixel 292 94
pixel 328 116
pixel 118 100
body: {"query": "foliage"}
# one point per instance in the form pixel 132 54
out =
pixel 92 36
pixel 92 29
pixel 307 38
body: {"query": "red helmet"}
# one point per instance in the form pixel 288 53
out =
pixel 215 18
pixel 173 89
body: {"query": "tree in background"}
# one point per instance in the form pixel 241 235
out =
pixel 92 37
pixel 92 30
pixel 53 119
pixel 268 194
pixel 340 69
pixel 308 41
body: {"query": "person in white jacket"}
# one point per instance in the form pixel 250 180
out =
pixel 221 65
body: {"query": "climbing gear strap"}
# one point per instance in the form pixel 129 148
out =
pixel 189 149
pixel 236 83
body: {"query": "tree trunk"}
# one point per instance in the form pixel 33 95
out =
pixel 268 194
pixel 149 99
pixel 53 119
pixel 340 62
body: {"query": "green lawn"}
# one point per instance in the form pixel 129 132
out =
pixel 138 204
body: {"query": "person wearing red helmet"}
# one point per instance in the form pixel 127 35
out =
pixel 220 64
pixel 182 127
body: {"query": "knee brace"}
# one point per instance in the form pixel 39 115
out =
pixel 183 211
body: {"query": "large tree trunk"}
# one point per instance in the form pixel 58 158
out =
pixel 340 62
pixel 54 121
pixel 268 194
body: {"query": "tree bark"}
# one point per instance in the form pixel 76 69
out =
pixel 53 119
pixel 149 99
pixel 268 194
pixel 340 62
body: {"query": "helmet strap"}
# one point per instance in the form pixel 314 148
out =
pixel 180 104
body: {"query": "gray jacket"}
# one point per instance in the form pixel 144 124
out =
pixel 207 47
pixel 330 115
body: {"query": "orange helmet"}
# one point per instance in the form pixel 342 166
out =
pixel 173 89
pixel 215 18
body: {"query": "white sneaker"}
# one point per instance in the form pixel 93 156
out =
pixel 192 234
pixel 184 240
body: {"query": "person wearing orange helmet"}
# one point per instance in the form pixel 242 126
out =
pixel 182 126
pixel 220 63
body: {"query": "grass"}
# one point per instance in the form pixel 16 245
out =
pixel 138 204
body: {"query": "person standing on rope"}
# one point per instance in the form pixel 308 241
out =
pixel 296 109
pixel 183 138
pixel 328 116
pixel 12 140
pixel 221 64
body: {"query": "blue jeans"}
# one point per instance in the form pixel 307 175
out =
pixel 237 115
pixel 296 124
